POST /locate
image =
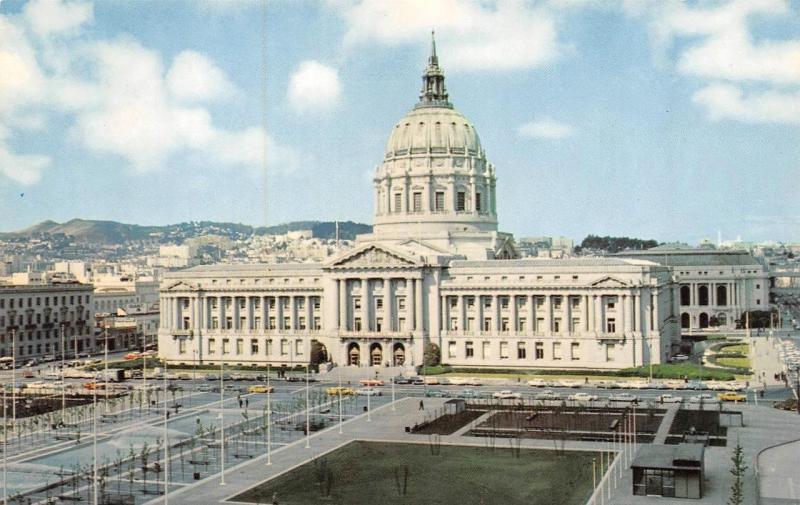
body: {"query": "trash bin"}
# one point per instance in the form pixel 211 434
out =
pixel 365 408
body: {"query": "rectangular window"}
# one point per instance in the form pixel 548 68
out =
pixel 253 346
pixel 298 347
pixel 470 302
pixel 398 202
pixel 357 324
pixel 401 324
pixel 378 324
pixel 503 302
pixel 439 201
pixel 574 350
pixel 486 350
pixel 182 346
pixel 417 202
pixel 228 323
pixel 242 322
pixel 478 206
pixel 452 301
pixel 271 323
pixel 461 201
pixel 503 350
pixel 470 324
pixel 212 344
pixel 453 324
pixel 356 303
pixel 241 303
pixel 378 303
pixel 504 324
pixel 401 303
pixel 317 301
pixel 316 323
pixel 469 352
pixel 451 349
pixel 301 303
pixel 186 325
pixel 257 323
pixel 557 303
pixel 239 346
pixel 226 348
pixel 521 352
pixel 576 324
pixel 487 324
pixel 521 326
pixel 556 350
pixel 610 352
pixel 268 347
pixel 557 325
pixel 611 325
pixel 539 324
pixel 287 323
pixel 284 347
pixel 272 303
pixel 301 323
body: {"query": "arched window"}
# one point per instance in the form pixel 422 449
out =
pixel 722 296
pixel 686 295
pixel 702 295
pixel 703 319
pixel 685 320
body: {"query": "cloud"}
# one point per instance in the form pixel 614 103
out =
pixel 56 17
pixel 314 87
pixel 193 77
pixel 746 78
pixel 726 101
pixel 505 35
pixel 545 128
pixel 119 96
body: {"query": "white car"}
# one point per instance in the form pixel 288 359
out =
pixel 678 358
pixel 506 395
pixel 369 392
pixel 668 398
pixel 547 394
pixel 623 397
pixel 704 398
pixel 538 383
pixel 582 397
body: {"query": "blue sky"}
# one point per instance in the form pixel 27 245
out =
pixel 656 119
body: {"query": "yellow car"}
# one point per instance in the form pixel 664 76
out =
pixel 336 391
pixel 260 389
pixel 732 397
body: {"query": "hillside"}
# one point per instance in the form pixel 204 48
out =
pixel 111 232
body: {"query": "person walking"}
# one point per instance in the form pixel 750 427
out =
pixel 421 405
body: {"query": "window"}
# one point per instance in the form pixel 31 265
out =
pixel 284 347
pixel 317 301
pixel 438 201
pixel 504 324
pixel 478 206
pixel 470 302
pixel 556 350
pixel 557 302
pixel 301 303
pixel 316 323
pixel 182 346
pixel 241 303
pixel 453 324
pixel 228 323
pixel 611 325
pixel 469 352
pixel 576 324
pixel 185 323
pixel 503 350
pixel 574 350
pixel 212 344
pixel 356 303
pixel 225 346
pixel 417 201
pixel 298 347
pixel 185 302
pixel 486 350
pixel 557 325
pixel 242 322
pixel 469 324
pixel 271 323
pixel 452 301
pixel 487 324
pixel 357 324
pixel 257 303
pixel 401 324
pixel 539 324
pixel 575 302
pixel 398 202
pixel 268 347
pixel 253 346
pixel 521 353
pixel 257 323
pixel 451 349
pixel 503 302
pixel 378 324
pixel 521 326
pixel 272 303
pixel 610 352
pixel 239 346
pixel 487 302
pixel 287 323
pixel 401 303
pixel 378 303
pixel 461 201
pixel 301 323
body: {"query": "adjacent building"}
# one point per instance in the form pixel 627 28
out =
pixel 434 269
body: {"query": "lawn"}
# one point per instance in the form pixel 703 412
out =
pixel 734 362
pixel 734 349
pixel 374 472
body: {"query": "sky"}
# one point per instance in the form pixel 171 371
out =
pixel 654 119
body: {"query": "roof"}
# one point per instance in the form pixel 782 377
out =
pixel 670 456
pixel 547 262
pixel 691 257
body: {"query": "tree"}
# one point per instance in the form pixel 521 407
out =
pixel 758 319
pixel 432 354
pixel 318 353
pixel 738 468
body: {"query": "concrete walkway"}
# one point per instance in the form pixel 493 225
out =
pixel 779 479
pixel 666 422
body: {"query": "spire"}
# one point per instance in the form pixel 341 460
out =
pixel 433 93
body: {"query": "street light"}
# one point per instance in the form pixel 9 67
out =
pixel 222 420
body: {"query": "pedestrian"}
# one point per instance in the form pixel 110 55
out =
pixel 246 402
pixel 421 405
pixel 240 403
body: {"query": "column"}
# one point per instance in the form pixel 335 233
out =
pixel 388 305
pixel 236 313
pixel 221 311
pixel 462 313
pixel 418 307
pixel 548 315
pixel 444 312
pixel 309 313
pixel 366 306
pixel 628 313
pixel 531 316
pixel 656 326
pixel 598 313
pixel 513 319
pixel 411 304
pixel 637 311
pixel 279 316
pixel 496 306
pixel 342 292
pixel 567 314
pixel 586 324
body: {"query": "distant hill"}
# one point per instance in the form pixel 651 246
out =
pixel 111 232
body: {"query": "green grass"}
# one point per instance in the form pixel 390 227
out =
pixel 364 473
pixel 734 362
pixel 434 370
pixel 665 371
pixel 734 349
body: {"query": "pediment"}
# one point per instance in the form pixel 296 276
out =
pixel 374 256
pixel 610 282
pixel 180 286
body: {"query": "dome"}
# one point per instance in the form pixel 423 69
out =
pixel 433 129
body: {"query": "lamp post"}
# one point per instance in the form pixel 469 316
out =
pixel 13 379
pixel 269 418
pixel 94 446
pixel 63 369
pixel 340 399
pixel 391 351
pixel 166 438
pixel 308 413
pixel 105 361
pixel 222 421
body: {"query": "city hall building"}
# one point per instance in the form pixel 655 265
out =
pixel 434 269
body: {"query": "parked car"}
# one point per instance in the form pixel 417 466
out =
pixel 417 381
pixel 547 394
pixel 678 358
pixel 371 382
pixel 703 398
pixel 669 398
pixel 338 390
pixel 369 392
pixel 506 394
pixel 731 396
pixel 467 393
pixel 623 397
pixel 582 397
pixel 211 377
pixel 437 393
pixel 538 383
pixel 260 388
pixel 401 380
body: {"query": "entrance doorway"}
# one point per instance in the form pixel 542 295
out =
pixel 376 355
pixel 354 355
pixel 399 355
